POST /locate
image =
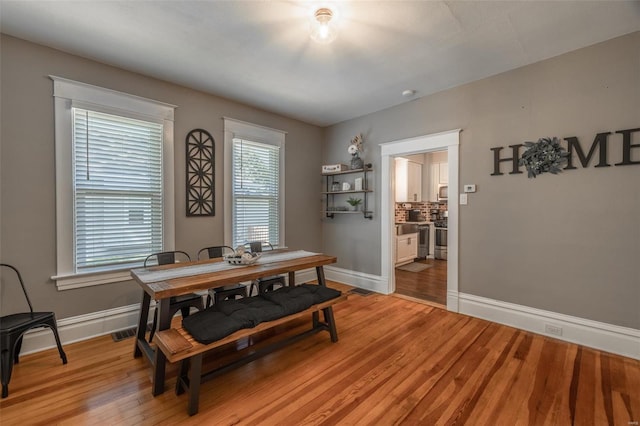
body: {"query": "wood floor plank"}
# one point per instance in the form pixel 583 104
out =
pixel 396 362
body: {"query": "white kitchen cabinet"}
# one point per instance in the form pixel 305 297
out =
pixel 406 248
pixel 439 176
pixel 443 173
pixel 408 181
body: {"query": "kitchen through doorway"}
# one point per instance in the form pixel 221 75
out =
pixel 420 206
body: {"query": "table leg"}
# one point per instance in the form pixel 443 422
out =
pixel 164 322
pixel 292 279
pixel 142 323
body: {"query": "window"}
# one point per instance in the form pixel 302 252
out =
pixel 114 182
pixel 118 189
pixel 254 185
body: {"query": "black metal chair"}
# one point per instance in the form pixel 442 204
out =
pixel 181 303
pixel 225 292
pixel 13 327
pixel 264 284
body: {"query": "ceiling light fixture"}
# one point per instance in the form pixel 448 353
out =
pixel 323 30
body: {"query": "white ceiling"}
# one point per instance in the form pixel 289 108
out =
pixel 259 52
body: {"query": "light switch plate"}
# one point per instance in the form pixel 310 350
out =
pixel 469 188
pixel 463 199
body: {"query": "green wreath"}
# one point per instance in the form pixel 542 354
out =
pixel 546 155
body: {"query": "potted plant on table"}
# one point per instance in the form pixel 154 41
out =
pixel 354 202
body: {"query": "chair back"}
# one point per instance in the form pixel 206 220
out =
pixel 258 246
pixel 6 266
pixel 215 251
pixel 168 257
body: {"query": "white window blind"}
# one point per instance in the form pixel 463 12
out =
pixel 255 192
pixel 118 198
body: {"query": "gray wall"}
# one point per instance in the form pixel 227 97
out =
pixel 27 170
pixel 568 243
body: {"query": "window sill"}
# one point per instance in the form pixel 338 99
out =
pixel 73 281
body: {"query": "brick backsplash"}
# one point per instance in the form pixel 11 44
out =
pixel 402 214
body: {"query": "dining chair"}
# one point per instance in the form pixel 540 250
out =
pixel 182 303
pixel 13 327
pixel 264 284
pixel 225 292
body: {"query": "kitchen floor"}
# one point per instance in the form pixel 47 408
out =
pixel 430 284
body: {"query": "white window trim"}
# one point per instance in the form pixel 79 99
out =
pixel 68 94
pixel 241 129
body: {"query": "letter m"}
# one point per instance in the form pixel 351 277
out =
pixel 574 145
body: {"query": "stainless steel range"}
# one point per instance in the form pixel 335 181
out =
pixel 441 240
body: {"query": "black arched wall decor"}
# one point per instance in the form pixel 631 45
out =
pixel 200 173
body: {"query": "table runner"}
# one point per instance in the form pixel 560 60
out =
pixel 148 276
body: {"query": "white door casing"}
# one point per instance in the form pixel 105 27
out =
pixel 450 141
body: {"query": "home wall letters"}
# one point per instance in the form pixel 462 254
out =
pixel 600 143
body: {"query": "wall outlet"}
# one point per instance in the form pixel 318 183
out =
pixel 553 329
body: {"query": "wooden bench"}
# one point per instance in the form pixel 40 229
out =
pixel 178 345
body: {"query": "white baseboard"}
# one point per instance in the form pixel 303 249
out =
pixel 607 337
pixel 82 327
pixel 357 279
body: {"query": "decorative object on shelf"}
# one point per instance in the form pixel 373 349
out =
pixel 335 186
pixel 332 168
pixel 200 158
pixel 346 186
pixel 546 155
pixel 357 184
pixel 355 148
pixel 354 202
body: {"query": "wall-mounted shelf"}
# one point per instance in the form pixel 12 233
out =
pixel 330 196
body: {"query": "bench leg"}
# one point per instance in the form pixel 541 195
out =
pixel 316 319
pixel 331 322
pixel 194 383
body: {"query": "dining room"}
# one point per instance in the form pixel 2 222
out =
pixel 535 331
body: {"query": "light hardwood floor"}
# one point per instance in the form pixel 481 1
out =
pixel 397 362
pixel 429 285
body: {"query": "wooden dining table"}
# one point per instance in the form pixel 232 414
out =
pixel 162 282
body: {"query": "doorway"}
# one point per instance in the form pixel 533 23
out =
pixel 448 141
pixel 421 217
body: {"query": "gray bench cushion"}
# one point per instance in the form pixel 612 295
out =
pixel 229 316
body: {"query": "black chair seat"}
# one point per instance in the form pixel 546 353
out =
pixel 270 283
pixel 226 292
pixel 16 322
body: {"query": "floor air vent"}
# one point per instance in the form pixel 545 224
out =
pixel 361 291
pixel 123 334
